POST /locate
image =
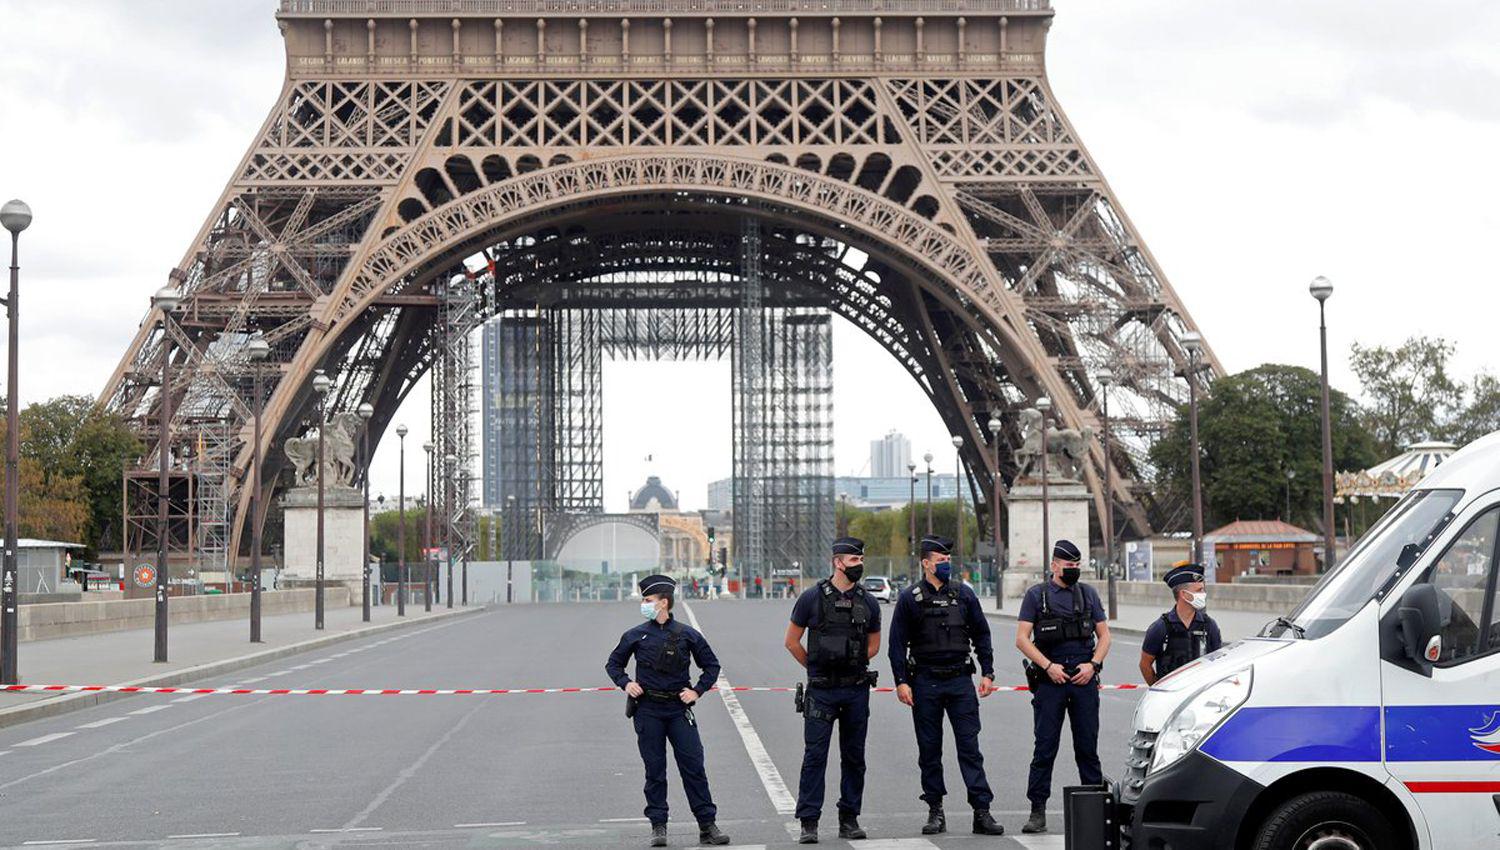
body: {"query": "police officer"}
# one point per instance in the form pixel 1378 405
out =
pixel 933 627
pixel 660 702
pixel 1061 631
pixel 844 625
pixel 1183 633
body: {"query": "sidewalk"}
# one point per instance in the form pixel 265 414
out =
pixel 196 650
pixel 1133 619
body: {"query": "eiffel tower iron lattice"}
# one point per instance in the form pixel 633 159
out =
pixel 906 160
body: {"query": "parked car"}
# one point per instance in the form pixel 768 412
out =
pixel 880 587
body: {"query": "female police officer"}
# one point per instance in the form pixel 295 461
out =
pixel 661 704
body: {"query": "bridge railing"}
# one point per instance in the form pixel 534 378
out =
pixel 650 7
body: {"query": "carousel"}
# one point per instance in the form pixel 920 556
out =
pixel 1389 479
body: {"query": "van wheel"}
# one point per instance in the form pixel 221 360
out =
pixel 1326 820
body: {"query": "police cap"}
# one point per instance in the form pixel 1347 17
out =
pixel 848 546
pixel 1183 573
pixel 1066 550
pixel 937 544
pixel 657 584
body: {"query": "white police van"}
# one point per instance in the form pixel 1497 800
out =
pixel 1368 718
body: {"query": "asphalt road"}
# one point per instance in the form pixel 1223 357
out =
pixel 481 771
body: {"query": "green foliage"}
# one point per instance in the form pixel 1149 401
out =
pixel 70 439
pixel 385 528
pixel 1409 393
pixel 1482 413
pixel 885 532
pixel 1253 428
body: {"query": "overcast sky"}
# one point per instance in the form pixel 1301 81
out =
pixel 1254 144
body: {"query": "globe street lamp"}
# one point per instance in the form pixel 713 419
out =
pixel 15 216
pixel 256 351
pixel 1106 378
pixel 1192 343
pixel 1290 474
pixel 429 584
pixel 927 458
pixel 958 490
pixel 510 510
pixel 1321 288
pixel 911 517
pixel 366 412
pixel 166 300
pixel 450 464
pixel 321 385
pixel 1044 406
pixel 995 426
pixel 401 576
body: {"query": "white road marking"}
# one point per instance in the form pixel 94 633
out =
pixel 351 829
pixel 101 723
pixel 150 709
pixel 895 844
pixel 411 770
pixel 623 820
pixel 206 835
pixel 1040 842
pixel 770 777
pixel 251 681
pixel 4 752
pixel 491 823
pixel 57 841
pixel 36 742
pixel 279 673
pixel 321 661
pixel 191 697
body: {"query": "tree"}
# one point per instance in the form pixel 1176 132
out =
pixel 1253 428
pixel 69 436
pixel 1481 415
pixel 52 504
pixel 1409 393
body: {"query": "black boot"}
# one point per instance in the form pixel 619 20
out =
pixel 809 831
pixel 936 821
pixel 658 835
pixel 849 826
pixel 985 825
pixel 1037 822
pixel 708 833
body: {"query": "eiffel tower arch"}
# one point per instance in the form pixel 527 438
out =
pixel 905 161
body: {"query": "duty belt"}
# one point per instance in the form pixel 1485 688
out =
pixel 868 677
pixel 945 672
pixel 662 696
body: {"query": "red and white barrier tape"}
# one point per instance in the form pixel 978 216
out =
pixel 134 689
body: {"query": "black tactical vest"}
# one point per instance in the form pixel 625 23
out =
pixel 942 632
pixel 1183 644
pixel 1052 629
pixel 839 643
pixel 672 658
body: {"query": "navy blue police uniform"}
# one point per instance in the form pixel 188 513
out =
pixel 1060 614
pixel 1172 643
pixel 662 652
pixel 933 630
pixel 839 624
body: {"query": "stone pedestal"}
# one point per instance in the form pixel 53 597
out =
pixel 1067 518
pixel 343 533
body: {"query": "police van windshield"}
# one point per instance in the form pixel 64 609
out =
pixel 1416 519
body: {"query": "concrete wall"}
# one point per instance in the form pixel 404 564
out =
pixel 68 619
pixel 1270 598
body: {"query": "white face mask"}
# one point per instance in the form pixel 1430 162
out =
pixel 1199 601
pixel 648 610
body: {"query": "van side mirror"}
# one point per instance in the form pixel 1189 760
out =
pixel 1408 555
pixel 1420 622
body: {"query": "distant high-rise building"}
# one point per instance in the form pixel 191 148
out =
pixel 889 456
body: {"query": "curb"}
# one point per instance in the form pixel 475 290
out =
pixel 75 702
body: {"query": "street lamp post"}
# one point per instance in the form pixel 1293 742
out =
pixel 958 495
pixel 927 458
pixel 911 516
pixel 1107 378
pixel 996 426
pixel 428 584
pixel 401 577
pixel 1320 289
pixel 1043 405
pixel 16 217
pixel 366 412
pixel 1192 342
pixel 1290 474
pixel 510 507
pixel 451 464
pixel 257 350
pixel 321 385
pixel 167 298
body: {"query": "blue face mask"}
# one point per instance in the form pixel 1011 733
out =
pixel 648 610
pixel 942 571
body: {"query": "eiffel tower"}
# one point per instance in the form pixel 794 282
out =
pixel 904 160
